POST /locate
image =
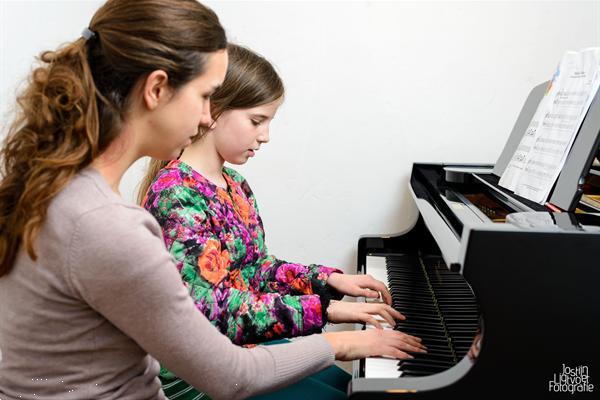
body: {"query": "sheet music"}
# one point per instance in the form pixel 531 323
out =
pixel 543 150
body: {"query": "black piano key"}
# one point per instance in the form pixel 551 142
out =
pixel 426 363
pixel 430 369
pixel 439 307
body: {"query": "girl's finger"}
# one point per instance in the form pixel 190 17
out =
pixel 380 287
pixel 369 293
pixel 368 319
pixel 396 314
pixel 385 294
pixel 388 318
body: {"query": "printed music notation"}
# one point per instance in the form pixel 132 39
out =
pixel 539 158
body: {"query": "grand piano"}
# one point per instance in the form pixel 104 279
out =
pixel 504 292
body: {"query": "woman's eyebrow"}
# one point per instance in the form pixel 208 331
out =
pixel 214 88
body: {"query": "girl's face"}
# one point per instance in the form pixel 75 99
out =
pixel 176 118
pixel 240 133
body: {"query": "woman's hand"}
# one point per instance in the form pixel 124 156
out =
pixel 475 347
pixel 345 311
pixel 359 285
pixel 352 345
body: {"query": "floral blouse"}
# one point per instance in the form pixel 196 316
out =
pixel 217 239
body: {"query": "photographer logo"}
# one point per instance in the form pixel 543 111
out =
pixel 571 380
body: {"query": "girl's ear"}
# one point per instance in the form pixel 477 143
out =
pixel 156 89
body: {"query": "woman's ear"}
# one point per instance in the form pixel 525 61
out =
pixel 156 89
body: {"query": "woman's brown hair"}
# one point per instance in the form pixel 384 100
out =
pixel 77 98
pixel 250 81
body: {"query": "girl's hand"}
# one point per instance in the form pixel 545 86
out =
pixel 344 311
pixel 352 345
pixel 359 285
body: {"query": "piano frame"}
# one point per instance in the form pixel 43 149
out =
pixel 537 287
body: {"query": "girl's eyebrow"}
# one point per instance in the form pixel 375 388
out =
pixel 260 116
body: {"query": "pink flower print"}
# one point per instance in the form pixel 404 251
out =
pixel 166 181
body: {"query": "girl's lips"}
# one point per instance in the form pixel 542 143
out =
pixel 251 153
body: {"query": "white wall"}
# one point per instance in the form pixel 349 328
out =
pixel 371 88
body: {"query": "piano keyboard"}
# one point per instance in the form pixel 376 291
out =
pixel 439 306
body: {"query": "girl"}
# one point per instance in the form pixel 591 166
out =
pixel 87 288
pixel 211 225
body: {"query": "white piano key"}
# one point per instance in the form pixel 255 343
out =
pixel 376 268
pixel 378 367
pixel 384 325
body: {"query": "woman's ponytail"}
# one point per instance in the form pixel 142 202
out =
pixel 55 135
pixel 77 100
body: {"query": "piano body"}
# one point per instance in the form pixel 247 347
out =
pixel 484 269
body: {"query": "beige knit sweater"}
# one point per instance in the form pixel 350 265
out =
pixel 104 301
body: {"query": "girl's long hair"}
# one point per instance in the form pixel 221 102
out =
pixel 250 81
pixel 77 97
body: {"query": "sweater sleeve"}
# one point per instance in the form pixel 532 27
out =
pixel 275 275
pixel 221 293
pixel 118 264
pixel 279 276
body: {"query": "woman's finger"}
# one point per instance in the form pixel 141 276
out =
pixel 408 344
pixel 411 347
pixel 410 337
pixel 415 343
pixel 413 340
pixel 396 353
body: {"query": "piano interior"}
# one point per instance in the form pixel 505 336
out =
pixel 590 199
pixel 489 206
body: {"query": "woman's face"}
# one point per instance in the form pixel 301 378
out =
pixel 175 121
pixel 240 133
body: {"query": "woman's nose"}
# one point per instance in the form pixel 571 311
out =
pixel 205 117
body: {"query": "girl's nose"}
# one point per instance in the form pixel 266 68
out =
pixel 264 136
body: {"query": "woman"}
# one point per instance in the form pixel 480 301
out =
pixel 211 225
pixel 87 289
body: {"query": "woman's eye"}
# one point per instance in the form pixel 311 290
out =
pixel 255 123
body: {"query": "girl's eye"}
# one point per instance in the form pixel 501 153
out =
pixel 255 123
pixel 206 97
